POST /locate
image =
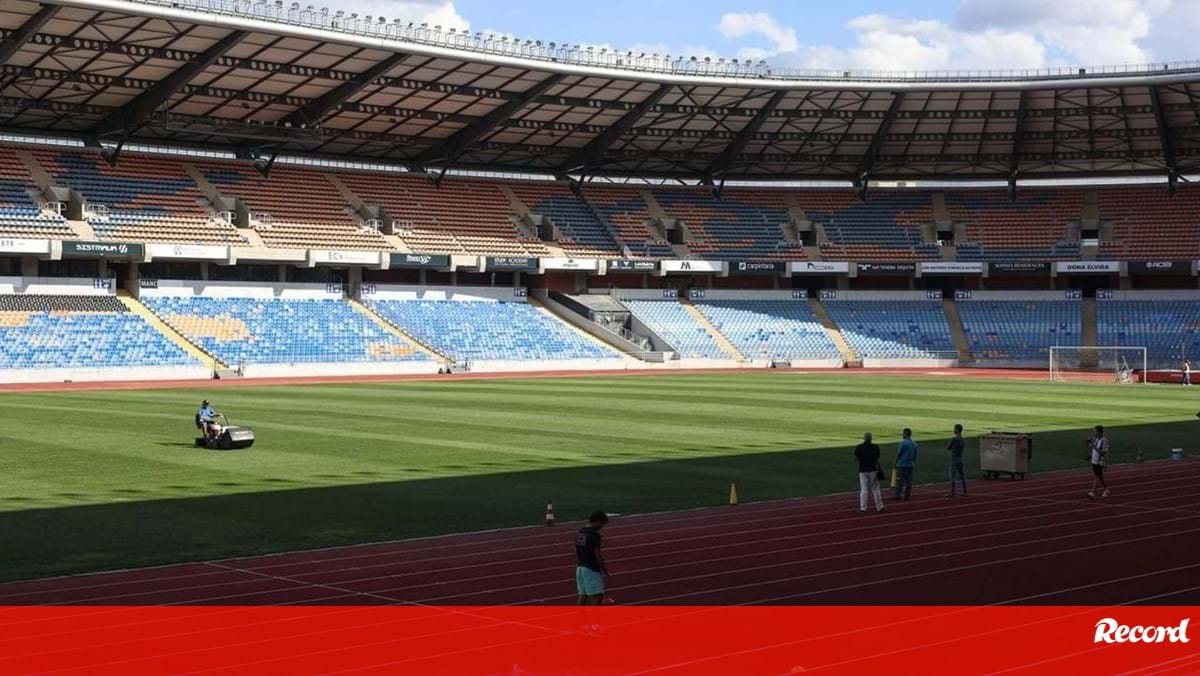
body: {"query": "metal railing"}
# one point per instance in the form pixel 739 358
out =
pixel 590 55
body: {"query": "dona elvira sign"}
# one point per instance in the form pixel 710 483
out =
pixel 706 267
pixel 419 261
pixel 951 268
pixel 1160 267
pixel 511 264
pixel 1089 267
pixel 756 267
pixel 122 250
pixel 819 268
pixel 632 266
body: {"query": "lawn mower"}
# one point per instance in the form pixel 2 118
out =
pixel 221 435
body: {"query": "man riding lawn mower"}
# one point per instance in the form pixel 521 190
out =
pixel 216 432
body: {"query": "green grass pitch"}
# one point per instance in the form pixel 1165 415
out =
pixel 100 480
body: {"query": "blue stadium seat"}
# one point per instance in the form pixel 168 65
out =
pixel 885 329
pixel 270 331
pixel 1019 330
pixel 672 322
pixel 1168 329
pixel 486 330
pixel 770 329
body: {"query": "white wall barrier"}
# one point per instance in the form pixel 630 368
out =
pixel 444 293
pixel 375 368
pixel 58 286
pixel 176 288
pixel 107 374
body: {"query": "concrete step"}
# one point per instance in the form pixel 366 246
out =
pixel 138 308
pixel 395 330
pixel 849 356
pixel 956 330
pixel 727 347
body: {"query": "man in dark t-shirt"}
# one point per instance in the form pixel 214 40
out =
pixel 958 470
pixel 590 569
pixel 867 455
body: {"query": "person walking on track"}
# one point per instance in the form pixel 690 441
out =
pixel 590 570
pixel 1187 373
pixel 1098 455
pixel 958 470
pixel 869 471
pixel 906 462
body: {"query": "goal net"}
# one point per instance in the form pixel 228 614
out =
pixel 1070 363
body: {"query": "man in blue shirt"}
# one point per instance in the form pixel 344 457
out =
pixel 206 417
pixel 906 460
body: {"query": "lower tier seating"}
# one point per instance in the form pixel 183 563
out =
pixel 269 331
pixel 879 329
pixel 672 322
pixel 770 329
pixel 39 332
pixel 1168 329
pixel 1020 330
pixel 489 330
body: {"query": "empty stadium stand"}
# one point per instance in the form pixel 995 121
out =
pixel 273 331
pixel 20 214
pixel 886 227
pixel 147 198
pixel 627 214
pixel 482 330
pixel 770 329
pixel 53 332
pixel 304 207
pixel 581 232
pixel 1148 225
pixel 460 216
pixel 742 224
pixel 669 319
pixel 1020 332
pixel 1032 228
pixel 1169 328
pixel 894 329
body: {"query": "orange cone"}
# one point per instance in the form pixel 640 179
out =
pixel 550 513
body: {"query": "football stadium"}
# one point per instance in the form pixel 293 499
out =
pixel 301 307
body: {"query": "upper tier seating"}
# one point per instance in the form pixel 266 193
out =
pixel 765 329
pixel 887 329
pixel 669 319
pixel 580 233
pixel 745 224
pixel 79 332
pixel 1020 330
pixel 486 330
pixel 149 198
pixel 1168 329
pixel 885 227
pixel 306 210
pixel 270 331
pixel 460 216
pixel 627 214
pixel 1032 228
pixel 1148 225
pixel 20 215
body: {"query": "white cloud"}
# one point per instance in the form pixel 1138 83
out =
pixel 434 12
pixel 739 25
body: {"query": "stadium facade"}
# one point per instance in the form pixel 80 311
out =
pixel 269 189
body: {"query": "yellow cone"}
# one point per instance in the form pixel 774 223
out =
pixel 733 499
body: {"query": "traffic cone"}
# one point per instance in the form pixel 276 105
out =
pixel 733 499
pixel 550 513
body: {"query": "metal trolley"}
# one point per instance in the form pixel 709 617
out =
pixel 1005 453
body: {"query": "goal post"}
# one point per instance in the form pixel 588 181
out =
pixel 1078 363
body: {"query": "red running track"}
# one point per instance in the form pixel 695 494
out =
pixel 1039 541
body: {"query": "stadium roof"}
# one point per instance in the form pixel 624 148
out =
pixel 262 78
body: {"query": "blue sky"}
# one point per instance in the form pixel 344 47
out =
pixel 857 34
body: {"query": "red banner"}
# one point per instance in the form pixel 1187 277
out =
pixel 610 640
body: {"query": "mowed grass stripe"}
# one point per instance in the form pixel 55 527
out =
pixel 106 479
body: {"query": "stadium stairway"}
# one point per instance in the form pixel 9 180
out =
pixel 398 332
pixel 544 309
pixel 956 331
pixel 136 307
pixel 1089 333
pixel 726 346
pixel 849 356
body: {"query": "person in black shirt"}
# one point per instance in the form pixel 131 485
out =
pixel 590 569
pixel 867 454
pixel 958 471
